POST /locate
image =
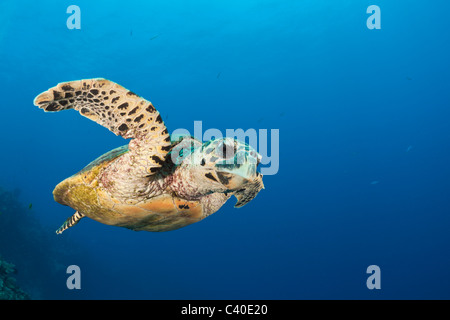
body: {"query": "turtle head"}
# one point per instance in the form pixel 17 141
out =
pixel 230 166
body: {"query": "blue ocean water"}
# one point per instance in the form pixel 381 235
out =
pixel 364 143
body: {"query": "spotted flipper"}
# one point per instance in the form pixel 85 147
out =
pixel 119 110
pixel 70 222
pixel 244 196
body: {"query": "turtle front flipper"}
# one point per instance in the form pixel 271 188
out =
pixel 70 222
pixel 121 111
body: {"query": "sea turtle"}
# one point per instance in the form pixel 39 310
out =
pixel 154 183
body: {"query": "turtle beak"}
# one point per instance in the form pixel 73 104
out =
pixel 258 159
pixel 249 192
pixel 253 185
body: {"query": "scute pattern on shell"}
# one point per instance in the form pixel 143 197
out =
pixel 163 212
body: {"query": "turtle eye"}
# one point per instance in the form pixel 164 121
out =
pixel 225 150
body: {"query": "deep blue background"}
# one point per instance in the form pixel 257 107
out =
pixel 354 107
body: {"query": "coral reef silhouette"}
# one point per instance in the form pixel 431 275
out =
pixel 40 261
pixel 8 287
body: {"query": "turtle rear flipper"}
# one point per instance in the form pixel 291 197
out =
pixel 70 222
pixel 119 110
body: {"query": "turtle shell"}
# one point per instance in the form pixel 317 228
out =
pixel 162 213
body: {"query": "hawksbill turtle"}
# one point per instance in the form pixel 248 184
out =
pixel 155 183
